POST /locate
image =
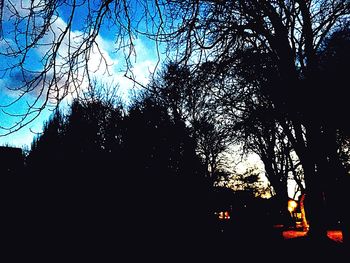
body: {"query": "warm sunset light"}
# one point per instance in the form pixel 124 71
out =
pixel 292 205
pixel 199 130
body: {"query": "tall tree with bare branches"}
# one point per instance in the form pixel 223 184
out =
pixel 290 32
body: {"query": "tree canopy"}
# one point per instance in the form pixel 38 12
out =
pixel 270 74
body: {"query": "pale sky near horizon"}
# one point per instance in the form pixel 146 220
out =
pixel 145 62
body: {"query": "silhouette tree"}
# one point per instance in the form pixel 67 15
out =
pixel 207 111
pixel 333 59
pixel 166 177
pixel 46 149
pixel 290 33
pixel 255 124
pixel 169 148
pixel 48 47
pixel 188 99
pixel 139 171
pixel 71 168
pixel 263 136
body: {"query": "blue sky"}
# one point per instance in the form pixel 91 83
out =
pixel 143 63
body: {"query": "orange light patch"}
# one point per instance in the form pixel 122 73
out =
pixel 292 205
pixel 335 235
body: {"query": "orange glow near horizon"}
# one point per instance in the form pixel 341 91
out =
pixel 292 205
pixel 335 235
pixel 303 215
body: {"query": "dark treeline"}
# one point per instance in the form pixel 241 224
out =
pixel 103 175
pixel 131 175
pixel 149 169
pixel 140 176
pixel 269 76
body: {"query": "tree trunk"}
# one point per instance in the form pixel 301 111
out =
pixel 305 224
pixel 315 212
pixel 339 182
pixel 314 174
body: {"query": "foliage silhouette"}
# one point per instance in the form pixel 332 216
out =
pixel 288 52
pixel 188 99
pixel 289 35
pixel 98 170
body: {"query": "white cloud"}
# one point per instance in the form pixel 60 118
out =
pixel 144 63
pixel 104 63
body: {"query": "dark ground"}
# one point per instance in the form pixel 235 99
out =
pixel 43 242
pixel 46 230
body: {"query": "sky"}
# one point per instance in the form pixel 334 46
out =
pixel 144 62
